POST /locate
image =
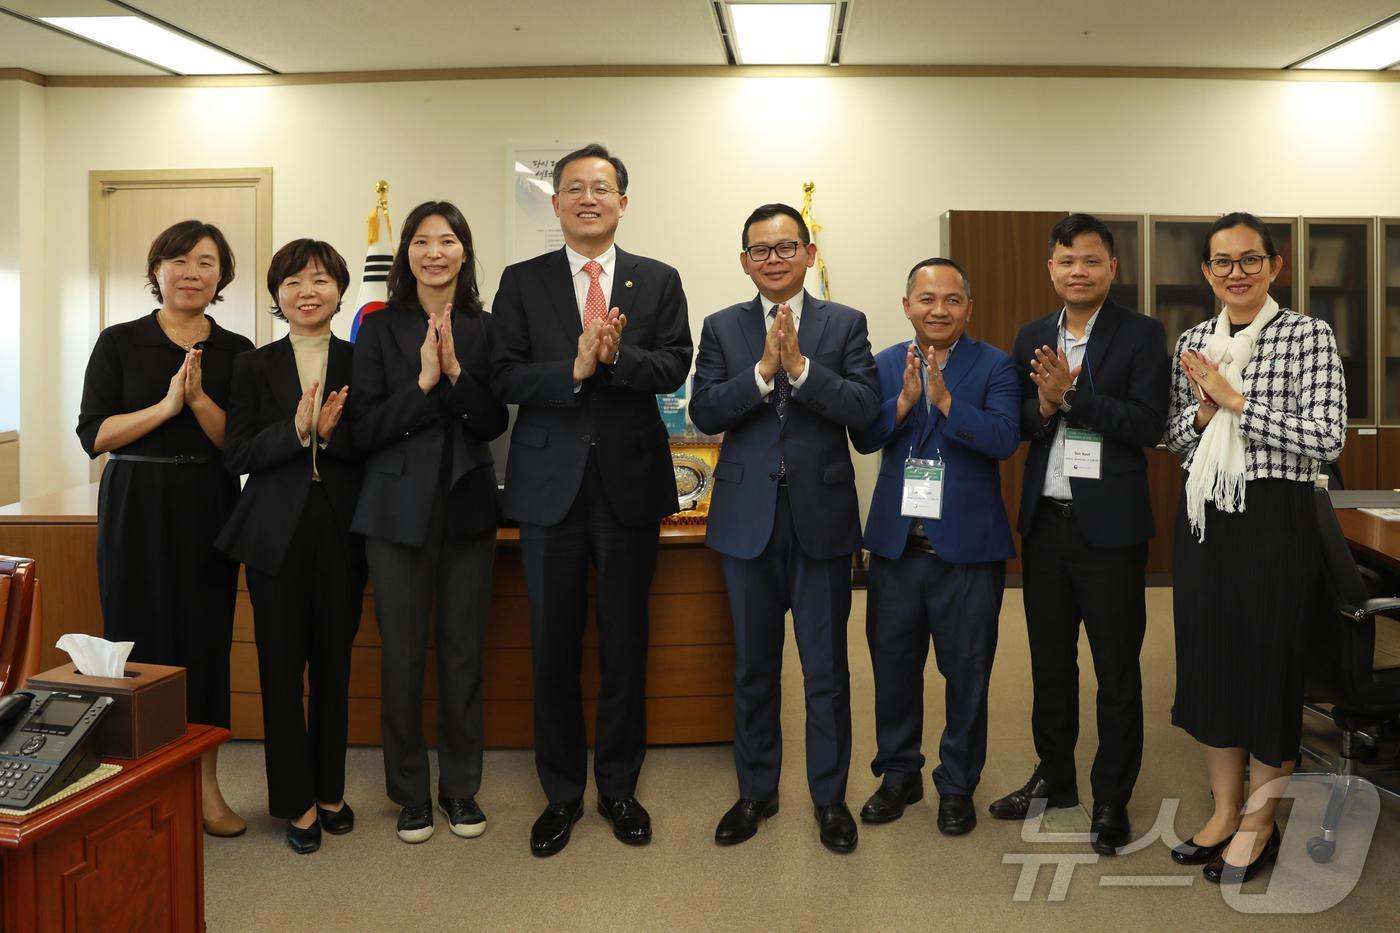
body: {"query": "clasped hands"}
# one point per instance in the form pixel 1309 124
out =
pixel 437 357
pixel 326 419
pixel 599 344
pixel 1052 375
pixel 939 397
pixel 186 386
pixel 781 349
pixel 1210 386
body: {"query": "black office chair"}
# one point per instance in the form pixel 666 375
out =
pixel 1365 702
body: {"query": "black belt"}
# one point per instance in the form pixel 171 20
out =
pixel 1064 507
pixel 142 458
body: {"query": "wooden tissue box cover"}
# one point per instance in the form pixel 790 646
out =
pixel 148 708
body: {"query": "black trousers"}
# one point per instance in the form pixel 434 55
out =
pixel 406 579
pixel 1066 580
pixel 556 559
pixel 912 599
pixel 304 621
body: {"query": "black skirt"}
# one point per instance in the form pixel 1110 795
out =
pixel 1242 604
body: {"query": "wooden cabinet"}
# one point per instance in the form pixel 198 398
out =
pixel 1181 298
pixel 1339 282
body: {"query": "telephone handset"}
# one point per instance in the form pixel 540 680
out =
pixel 46 742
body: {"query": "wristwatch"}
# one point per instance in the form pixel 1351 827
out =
pixel 1067 400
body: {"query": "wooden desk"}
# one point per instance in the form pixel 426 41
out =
pixel 126 854
pixel 690 666
pixel 1371 537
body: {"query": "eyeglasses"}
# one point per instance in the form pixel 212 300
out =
pixel 1220 267
pixel 599 191
pixel 760 252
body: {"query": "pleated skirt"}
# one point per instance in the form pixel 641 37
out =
pixel 1242 602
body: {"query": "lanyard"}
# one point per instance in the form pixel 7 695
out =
pixel 1060 327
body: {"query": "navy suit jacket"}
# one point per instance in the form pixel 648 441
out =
pixel 980 430
pixel 839 393
pixel 614 413
pixel 1123 396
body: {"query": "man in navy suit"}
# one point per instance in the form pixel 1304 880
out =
pixel 584 339
pixel 938 539
pixel 784 376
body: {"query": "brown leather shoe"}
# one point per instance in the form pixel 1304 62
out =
pixel 226 826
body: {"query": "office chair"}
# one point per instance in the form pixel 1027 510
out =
pixel 21 622
pixel 1342 642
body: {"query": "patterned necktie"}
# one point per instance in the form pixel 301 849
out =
pixel 594 307
pixel 782 390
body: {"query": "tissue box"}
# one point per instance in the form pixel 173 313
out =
pixel 148 709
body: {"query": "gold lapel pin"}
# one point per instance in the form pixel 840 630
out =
pixel 628 283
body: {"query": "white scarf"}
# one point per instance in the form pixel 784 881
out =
pixel 1217 470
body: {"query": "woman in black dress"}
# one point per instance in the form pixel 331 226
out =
pixel 424 415
pixel 1257 401
pixel 154 397
pixel 291 529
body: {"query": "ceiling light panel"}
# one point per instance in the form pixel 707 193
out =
pixel 782 33
pixel 1374 49
pixel 153 43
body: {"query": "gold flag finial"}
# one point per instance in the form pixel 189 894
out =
pixel 809 188
pixel 381 189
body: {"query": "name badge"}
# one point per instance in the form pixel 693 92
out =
pixel 1083 453
pixel 923 489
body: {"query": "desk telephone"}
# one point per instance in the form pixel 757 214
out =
pixel 45 743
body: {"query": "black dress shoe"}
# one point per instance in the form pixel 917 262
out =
pixel 416 822
pixel 1015 805
pixel 551 831
pixel 464 817
pixel 896 792
pixel 336 822
pixel 1109 829
pixel 955 814
pixel 740 822
pixel 630 820
pixel 1222 872
pixel 304 841
pixel 1189 853
pixel 838 829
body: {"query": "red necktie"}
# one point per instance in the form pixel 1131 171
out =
pixel 594 307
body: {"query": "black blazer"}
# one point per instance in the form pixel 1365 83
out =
pixel 261 440
pixel 1126 402
pixel 401 431
pixel 614 413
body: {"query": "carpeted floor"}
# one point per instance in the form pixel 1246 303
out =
pixel 903 876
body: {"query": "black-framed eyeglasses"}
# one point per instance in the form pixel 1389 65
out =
pixel 760 252
pixel 1220 267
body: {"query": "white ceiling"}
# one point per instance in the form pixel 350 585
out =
pixel 317 36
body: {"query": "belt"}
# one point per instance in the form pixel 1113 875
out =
pixel 142 458
pixel 1064 507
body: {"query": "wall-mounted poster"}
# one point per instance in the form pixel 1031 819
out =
pixel 531 227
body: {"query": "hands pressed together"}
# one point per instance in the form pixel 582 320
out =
pixel 326 419
pixel 437 357
pixel 599 344
pixel 1210 386
pixel 781 349
pixel 912 391
pixel 1052 375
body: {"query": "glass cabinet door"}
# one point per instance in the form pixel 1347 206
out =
pixel 1127 287
pixel 1390 322
pixel 1338 281
pixel 1285 233
pixel 1180 296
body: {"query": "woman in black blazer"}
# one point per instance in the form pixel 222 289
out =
pixel 424 415
pixel 291 530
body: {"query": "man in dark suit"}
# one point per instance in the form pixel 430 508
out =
pixel 784 376
pixel 1094 380
pixel 939 539
pixel 589 476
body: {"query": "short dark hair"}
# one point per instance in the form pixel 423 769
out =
pixel 768 212
pixel 1077 225
pixel 292 258
pixel 177 240
pixel 403 287
pixel 1240 219
pixel 593 151
pixel 938 261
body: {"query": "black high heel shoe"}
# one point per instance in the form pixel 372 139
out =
pixel 1191 853
pixel 1220 871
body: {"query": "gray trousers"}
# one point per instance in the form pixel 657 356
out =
pixel 406 580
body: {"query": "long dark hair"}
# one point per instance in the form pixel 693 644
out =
pixel 403 287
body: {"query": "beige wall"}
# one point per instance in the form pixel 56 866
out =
pixel 889 155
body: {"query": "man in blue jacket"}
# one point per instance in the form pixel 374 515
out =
pixel 784 375
pixel 938 539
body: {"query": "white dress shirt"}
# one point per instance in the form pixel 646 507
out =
pixel 765 388
pixel 581 279
pixel 1056 482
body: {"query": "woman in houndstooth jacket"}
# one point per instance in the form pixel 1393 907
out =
pixel 1258 400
